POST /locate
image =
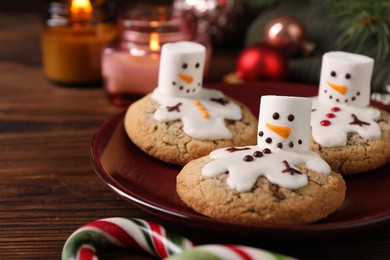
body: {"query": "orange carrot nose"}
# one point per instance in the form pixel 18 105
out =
pixel 186 78
pixel 339 88
pixel 282 131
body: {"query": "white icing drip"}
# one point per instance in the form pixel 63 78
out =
pixel 194 124
pixel 335 134
pixel 243 174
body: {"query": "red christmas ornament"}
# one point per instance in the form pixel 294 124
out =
pixel 288 34
pixel 261 62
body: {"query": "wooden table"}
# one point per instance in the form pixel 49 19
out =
pixel 48 187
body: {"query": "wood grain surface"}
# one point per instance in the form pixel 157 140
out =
pixel 48 187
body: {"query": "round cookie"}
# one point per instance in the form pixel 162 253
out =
pixel 359 154
pixel 265 203
pixel 167 141
pixel 276 182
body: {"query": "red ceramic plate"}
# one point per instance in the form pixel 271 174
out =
pixel 150 183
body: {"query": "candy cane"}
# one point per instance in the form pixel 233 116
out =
pixel 231 252
pixel 148 236
pixel 129 233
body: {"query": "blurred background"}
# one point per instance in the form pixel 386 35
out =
pixel 37 5
pixel 305 30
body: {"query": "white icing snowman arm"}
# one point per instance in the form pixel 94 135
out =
pixel 168 112
pixel 218 153
pixel 216 103
pixel 205 129
pixel 228 110
pixel 315 163
pixel 334 137
pixel 214 168
pixel 370 112
pixel 374 133
pixel 312 161
pixel 240 179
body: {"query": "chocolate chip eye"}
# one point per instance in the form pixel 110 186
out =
pixel 290 118
pixel 347 76
pixel 275 116
pixel 333 74
pixel 197 65
pixel 184 66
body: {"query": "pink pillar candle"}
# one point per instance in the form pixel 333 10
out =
pixel 124 73
pixel 130 64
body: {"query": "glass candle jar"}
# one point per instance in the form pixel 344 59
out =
pixel 130 64
pixel 72 39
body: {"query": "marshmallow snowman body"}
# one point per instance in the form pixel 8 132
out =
pixel 342 105
pixel 284 133
pixel 181 95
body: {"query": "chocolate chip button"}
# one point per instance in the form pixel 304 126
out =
pixel 248 158
pixel 258 154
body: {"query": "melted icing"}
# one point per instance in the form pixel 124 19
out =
pixel 331 123
pixel 203 115
pixel 278 166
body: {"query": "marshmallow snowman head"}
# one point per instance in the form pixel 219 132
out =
pixel 181 69
pixel 284 122
pixel 345 79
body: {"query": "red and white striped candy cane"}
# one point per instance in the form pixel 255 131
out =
pixel 148 236
pixel 123 232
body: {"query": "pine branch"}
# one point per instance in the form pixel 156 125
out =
pixel 363 21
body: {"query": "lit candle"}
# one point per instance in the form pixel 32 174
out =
pixel 130 64
pixel 154 42
pixel 72 42
pixel 81 10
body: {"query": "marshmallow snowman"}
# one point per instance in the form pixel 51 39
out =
pixel 284 122
pixel 181 69
pixel 345 79
pixel 283 143
pixel 342 105
pixel 182 97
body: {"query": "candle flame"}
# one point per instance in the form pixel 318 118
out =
pixel 154 42
pixel 81 6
